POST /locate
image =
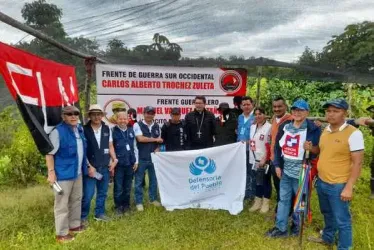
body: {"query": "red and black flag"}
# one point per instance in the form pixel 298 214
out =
pixel 41 89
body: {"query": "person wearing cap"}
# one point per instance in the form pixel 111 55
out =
pixel 341 153
pixel 101 161
pixel 293 139
pixel 245 122
pixel 173 132
pixel 200 126
pixel 226 125
pixel 127 152
pixel 117 107
pixel 66 163
pixel 147 134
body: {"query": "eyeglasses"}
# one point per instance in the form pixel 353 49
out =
pixel 71 114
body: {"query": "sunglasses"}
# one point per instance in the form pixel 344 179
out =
pixel 73 113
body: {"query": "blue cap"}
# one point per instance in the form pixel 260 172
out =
pixel 337 103
pixel 300 104
pixel 149 109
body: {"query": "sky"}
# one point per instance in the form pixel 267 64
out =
pixel 276 29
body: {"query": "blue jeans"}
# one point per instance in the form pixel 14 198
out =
pixel 250 185
pixel 288 189
pixel 122 187
pixel 336 214
pixel 139 178
pixel 89 185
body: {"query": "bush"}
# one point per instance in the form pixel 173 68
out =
pixel 20 162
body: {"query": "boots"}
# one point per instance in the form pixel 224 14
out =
pixel 256 205
pixel 372 188
pixel 265 206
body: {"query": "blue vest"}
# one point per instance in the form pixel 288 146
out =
pixel 244 128
pixel 98 157
pixel 121 141
pixel 66 157
pixel 145 149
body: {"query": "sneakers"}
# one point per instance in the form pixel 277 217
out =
pixel 319 240
pixel 140 207
pixel 257 205
pixel 77 230
pixel 156 203
pixel 102 217
pixel 276 233
pixel 64 239
pixel 265 206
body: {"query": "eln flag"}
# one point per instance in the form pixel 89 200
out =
pixel 41 88
pixel 212 178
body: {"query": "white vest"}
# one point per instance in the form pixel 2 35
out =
pixel 258 139
pixel 293 144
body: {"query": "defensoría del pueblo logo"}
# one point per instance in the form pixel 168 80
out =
pixel 202 164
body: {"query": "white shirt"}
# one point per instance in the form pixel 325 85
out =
pixel 135 145
pixel 355 141
pixel 138 130
pixel 258 139
pixel 98 135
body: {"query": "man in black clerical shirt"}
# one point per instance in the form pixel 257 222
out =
pixel 200 126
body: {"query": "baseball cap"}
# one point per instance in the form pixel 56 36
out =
pixel 70 109
pixel 175 111
pixel 149 109
pixel 300 104
pixel 337 103
pixel 223 105
pixel 118 106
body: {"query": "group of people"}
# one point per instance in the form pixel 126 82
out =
pixel 85 157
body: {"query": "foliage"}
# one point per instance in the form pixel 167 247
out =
pixel 20 162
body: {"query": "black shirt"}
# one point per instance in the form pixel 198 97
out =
pixel 200 129
pixel 174 136
pixel 226 131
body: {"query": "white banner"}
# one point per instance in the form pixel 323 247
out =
pixel 212 178
pixel 160 80
pixel 163 104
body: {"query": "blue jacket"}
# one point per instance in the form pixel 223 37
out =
pixel 99 158
pixel 313 134
pixel 244 128
pixel 123 143
pixel 66 157
pixel 146 148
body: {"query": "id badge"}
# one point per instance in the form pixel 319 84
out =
pixel 128 147
pixel 106 150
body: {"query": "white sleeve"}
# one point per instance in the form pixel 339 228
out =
pixel 54 137
pixel 268 135
pixel 356 141
pixel 137 130
pixel 136 152
pixel 110 135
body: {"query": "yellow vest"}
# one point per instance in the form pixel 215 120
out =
pixel 335 163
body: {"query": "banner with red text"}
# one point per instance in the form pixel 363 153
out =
pixel 41 88
pixel 160 80
pixel 163 104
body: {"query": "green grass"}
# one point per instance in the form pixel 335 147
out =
pixel 26 222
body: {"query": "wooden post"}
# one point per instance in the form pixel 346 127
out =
pixel 89 63
pixel 259 76
pixel 350 85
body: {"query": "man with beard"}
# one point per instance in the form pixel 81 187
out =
pixel 200 126
pixel 226 124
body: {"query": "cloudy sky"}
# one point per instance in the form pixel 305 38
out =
pixel 277 29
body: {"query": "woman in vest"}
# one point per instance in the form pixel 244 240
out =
pixel 125 147
pixel 258 157
pixel 66 163
pixel 291 140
